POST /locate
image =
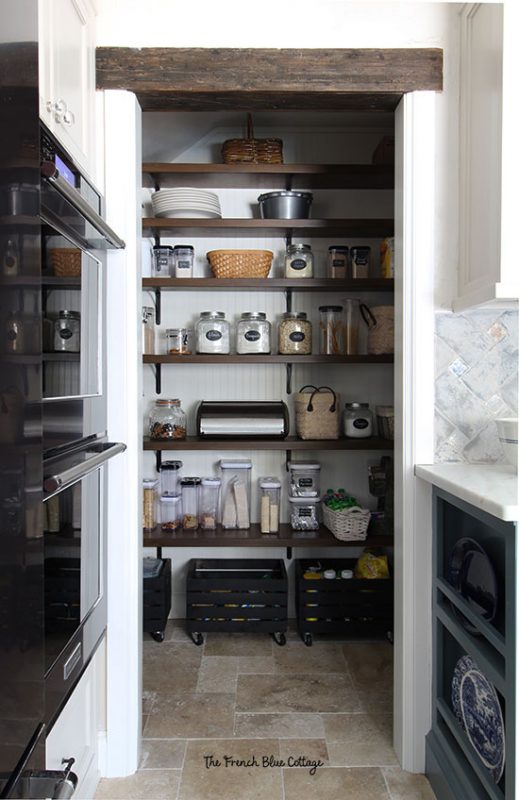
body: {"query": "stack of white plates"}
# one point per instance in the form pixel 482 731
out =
pixel 186 202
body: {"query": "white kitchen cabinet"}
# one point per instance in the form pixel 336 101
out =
pixel 488 156
pixel 67 76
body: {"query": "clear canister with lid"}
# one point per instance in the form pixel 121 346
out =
pixel 213 333
pixel 253 333
pixel 149 503
pixel 270 498
pixel 358 421
pixel 299 261
pixel 183 260
pixel 190 488
pixel 236 492
pixel 148 330
pixel 209 503
pixel 167 420
pixel 67 332
pixel 304 513
pixel 338 261
pixel 295 334
pixel 330 330
pixel 162 261
pixel 360 258
pixel 179 341
pixel 304 478
pixel 170 513
pixel 14 337
pixel 170 472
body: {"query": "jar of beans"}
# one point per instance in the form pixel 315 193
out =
pixel 295 334
pixel 167 420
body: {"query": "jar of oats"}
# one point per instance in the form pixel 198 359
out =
pixel 295 334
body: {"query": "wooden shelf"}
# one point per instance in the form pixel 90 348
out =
pixel 267 359
pixel 290 443
pixel 272 176
pixel 274 227
pixel 61 357
pixel 253 538
pixel 271 284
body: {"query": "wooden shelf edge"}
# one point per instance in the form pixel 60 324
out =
pixel 273 284
pixel 266 359
pixel 290 443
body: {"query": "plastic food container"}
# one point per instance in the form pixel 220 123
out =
pixel 337 262
pixel 304 513
pixel 270 497
pixel 183 260
pixel 385 421
pixel 285 205
pixel 170 478
pixel 304 478
pixel 170 513
pixel 162 261
pixel 179 341
pixel 148 330
pixel 190 488
pixel 360 258
pixel 149 503
pixel 209 502
pixel 235 506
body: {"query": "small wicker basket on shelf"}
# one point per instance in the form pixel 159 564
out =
pixel 348 524
pixel 251 150
pixel 240 263
pixel 65 262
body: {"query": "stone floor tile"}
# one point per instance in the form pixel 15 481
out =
pixel 296 657
pixel 238 644
pixel 370 664
pixel 376 700
pixel 296 692
pixel 170 666
pixel 257 665
pixel 217 674
pixel 147 785
pixel 280 726
pixel 303 751
pixel 336 783
pixel 234 781
pixel 148 698
pixel 406 785
pixel 191 716
pixel 361 754
pixel 358 727
pixel 162 753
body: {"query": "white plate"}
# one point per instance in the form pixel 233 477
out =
pixel 189 213
pixel 173 193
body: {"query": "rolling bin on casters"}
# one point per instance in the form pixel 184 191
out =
pixel 157 601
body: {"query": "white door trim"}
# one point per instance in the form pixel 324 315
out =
pixel 414 415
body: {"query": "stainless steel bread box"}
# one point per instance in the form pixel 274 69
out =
pixel 242 419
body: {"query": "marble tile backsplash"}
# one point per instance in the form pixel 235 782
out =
pixel 476 376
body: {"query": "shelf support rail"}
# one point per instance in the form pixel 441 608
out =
pixel 289 379
pixel 157 368
pixel 158 459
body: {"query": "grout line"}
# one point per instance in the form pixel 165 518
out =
pixel 390 796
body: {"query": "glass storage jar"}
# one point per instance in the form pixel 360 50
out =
pixel 167 420
pixel 148 330
pixel 253 333
pixel 330 330
pixel 209 502
pixel 338 262
pixel 270 496
pixel 179 341
pixel 235 506
pixel 213 333
pixel 295 334
pixel 299 261
pixel 14 337
pixel 149 503
pixel 304 479
pixel 170 478
pixel 358 420
pixel 304 513
pixel 67 332
pixel 183 260
pixel 162 261
pixel 360 258
pixel 190 488
pixel 170 513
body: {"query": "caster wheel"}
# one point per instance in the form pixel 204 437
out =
pixel 158 636
pixel 280 639
pixel 307 639
pixel 197 638
pixel 389 637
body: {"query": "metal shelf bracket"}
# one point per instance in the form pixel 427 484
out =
pixel 157 305
pixel 158 459
pixel 289 379
pixel 157 368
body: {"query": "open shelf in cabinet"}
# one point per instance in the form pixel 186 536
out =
pixel 290 443
pixel 271 284
pixel 386 358
pixel 269 227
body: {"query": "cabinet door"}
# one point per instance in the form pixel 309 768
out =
pixel 67 75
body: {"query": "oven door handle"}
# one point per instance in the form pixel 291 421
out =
pixel 54 483
pixel 51 173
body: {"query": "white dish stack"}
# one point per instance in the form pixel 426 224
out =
pixel 186 202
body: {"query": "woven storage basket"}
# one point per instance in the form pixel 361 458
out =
pixel 349 524
pixel 240 263
pixel 381 324
pixel 251 150
pixel 317 413
pixel 65 261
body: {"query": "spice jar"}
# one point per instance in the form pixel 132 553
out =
pixel 148 330
pixel 183 259
pixel 357 420
pixel 167 420
pixel 299 261
pixel 295 333
pixel 330 330
pixel 170 513
pixel 190 488
pixel 213 333
pixel 253 333
pixel 179 341
pixel 162 261
pixel 337 262
pixel 209 501
pixel 270 495
pixel 149 504
pixel 170 478
pixel 67 332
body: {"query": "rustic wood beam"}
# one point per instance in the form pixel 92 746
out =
pixel 207 78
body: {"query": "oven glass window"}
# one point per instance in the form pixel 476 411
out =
pixel 72 560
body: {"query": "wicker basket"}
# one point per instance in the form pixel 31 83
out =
pixel 349 524
pixel 65 261
pixel 240 263
pixel 381 328
pixel 317 413
pixel 251 150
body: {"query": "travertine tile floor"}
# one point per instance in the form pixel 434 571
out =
pixel 241 718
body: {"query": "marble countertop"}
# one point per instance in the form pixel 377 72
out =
pixel 492 488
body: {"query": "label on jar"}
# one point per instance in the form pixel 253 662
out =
pixel 297 336
pixel 183 264
pixel 305 482
pixel 339 262
pixel 213 335
pixel 360 255
pixel 252 336
pixel 298 263
pixel 305 512
pixel 360 423
pixel 65 333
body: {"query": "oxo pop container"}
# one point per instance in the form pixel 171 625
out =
pixel 236 477
pixel 304 479
pixel 170 478
pixel 209 502
pixel 270 497
pixel 190 488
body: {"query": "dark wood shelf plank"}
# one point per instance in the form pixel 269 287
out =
pixel 272 284
pixel 254 227
pixel 253 538
pixel 267 359
pixel 290 443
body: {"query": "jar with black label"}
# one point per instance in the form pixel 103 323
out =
pixel 183 259
pixel 14 341
pixel 253 333
pixel 67 332
pixel 299 261
pixel 213 333
pixel 358 421
pixel 360 257
pixel 295 334
pixel 162 261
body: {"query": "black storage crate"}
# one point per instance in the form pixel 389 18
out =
pixel 349 606
pixel 157 601
pixel 228 594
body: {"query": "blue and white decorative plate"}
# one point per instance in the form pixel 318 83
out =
pixel 471 573
pixel 476 706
